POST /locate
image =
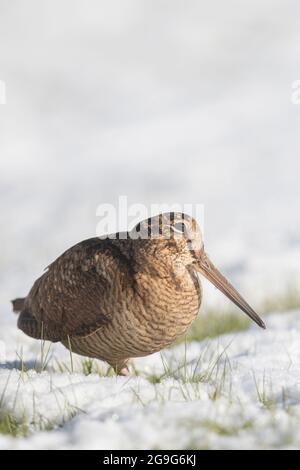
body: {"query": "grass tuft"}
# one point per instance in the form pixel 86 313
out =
pixel 213 323
pixel 10 426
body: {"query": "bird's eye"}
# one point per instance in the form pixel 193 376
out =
pixel 179 227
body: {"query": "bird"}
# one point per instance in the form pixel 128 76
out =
pixel 125 295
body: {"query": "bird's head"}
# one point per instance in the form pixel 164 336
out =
pixel 176 237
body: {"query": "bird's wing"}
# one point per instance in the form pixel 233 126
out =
pixel 74 296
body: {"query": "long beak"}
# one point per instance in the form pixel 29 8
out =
pixel 206 267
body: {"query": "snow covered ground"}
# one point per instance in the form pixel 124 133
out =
pixel 237 391
pixel 164 102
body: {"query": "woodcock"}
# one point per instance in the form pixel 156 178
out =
pixel 125 296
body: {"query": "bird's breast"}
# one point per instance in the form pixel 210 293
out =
pixel 165 307
pixel 147 316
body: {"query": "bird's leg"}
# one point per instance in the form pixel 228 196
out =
pixel 122 367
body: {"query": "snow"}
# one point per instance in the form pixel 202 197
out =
pixel 249 399
pixel 169 103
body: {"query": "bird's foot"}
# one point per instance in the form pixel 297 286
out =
pixel 122 368
pixel 125 371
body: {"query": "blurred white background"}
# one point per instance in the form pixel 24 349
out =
pixel 163 101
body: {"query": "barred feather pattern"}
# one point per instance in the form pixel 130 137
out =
pixel 114 299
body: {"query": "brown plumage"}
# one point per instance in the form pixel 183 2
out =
pixel 121 297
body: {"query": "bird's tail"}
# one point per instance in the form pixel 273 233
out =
pixel 18 305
